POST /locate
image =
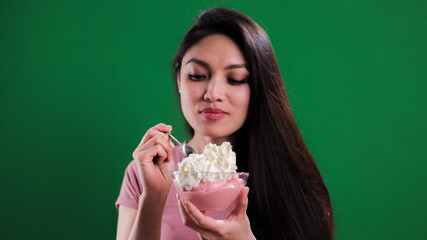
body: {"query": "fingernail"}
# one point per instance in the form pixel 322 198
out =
pixel 184 203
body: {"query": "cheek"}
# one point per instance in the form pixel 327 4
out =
pixel 241 99
pixel 190 95
pixel 194 90
pixel 186 102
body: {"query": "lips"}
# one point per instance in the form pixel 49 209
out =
pixel 213 113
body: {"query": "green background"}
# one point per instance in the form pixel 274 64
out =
pixel 81 82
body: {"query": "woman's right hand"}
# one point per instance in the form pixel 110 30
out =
pixel 154 160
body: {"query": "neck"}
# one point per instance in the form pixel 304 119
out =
pixel 199 141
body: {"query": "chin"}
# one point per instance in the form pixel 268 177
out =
pixel 215 132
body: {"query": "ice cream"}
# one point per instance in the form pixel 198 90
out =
pixel 209 180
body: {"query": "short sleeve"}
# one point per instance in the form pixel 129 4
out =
pixel 131 188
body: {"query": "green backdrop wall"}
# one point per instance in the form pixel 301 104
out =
pixel 81 82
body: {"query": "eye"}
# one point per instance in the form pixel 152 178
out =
pixel 237 82
pixel 196 78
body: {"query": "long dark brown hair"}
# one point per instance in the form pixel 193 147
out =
pixel 288 198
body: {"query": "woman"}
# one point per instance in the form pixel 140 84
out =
pixel 231 90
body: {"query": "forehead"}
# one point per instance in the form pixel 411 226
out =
pixel 216 50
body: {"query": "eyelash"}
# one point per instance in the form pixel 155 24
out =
pixel 198 78
pixel 236 82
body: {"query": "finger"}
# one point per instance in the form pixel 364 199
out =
pixel 242 202
pixel 163 127
pixel 159 128
pixel 199 218
pixel 148 154
pixel 161 140
pixel 156 134
pixel 201 237
pixel 164 141
pixel 186 219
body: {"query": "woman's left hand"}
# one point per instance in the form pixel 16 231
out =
pixel 236 226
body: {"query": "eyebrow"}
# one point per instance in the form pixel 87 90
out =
pixel 206 65
pixel 236 66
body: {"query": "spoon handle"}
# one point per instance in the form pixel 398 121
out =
pixel 173 138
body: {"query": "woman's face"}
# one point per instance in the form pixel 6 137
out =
pixel 214 87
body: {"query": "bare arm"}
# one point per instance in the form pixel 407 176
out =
pixel 126 219
pixel 145 223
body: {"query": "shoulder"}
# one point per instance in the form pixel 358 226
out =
pixel 132 177
pixel 131 172
pixel 131 167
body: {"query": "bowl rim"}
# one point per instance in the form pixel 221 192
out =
pixel 210 172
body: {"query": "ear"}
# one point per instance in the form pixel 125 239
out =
pixel 178 78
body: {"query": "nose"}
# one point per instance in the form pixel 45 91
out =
pixel 215 91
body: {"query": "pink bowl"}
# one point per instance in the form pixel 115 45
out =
pixel 213 196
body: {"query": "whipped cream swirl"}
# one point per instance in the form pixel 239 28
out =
pixel 210 166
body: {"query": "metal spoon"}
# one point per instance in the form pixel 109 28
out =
pixel 186 149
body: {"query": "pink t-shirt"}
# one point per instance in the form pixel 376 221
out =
pixel 172 226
